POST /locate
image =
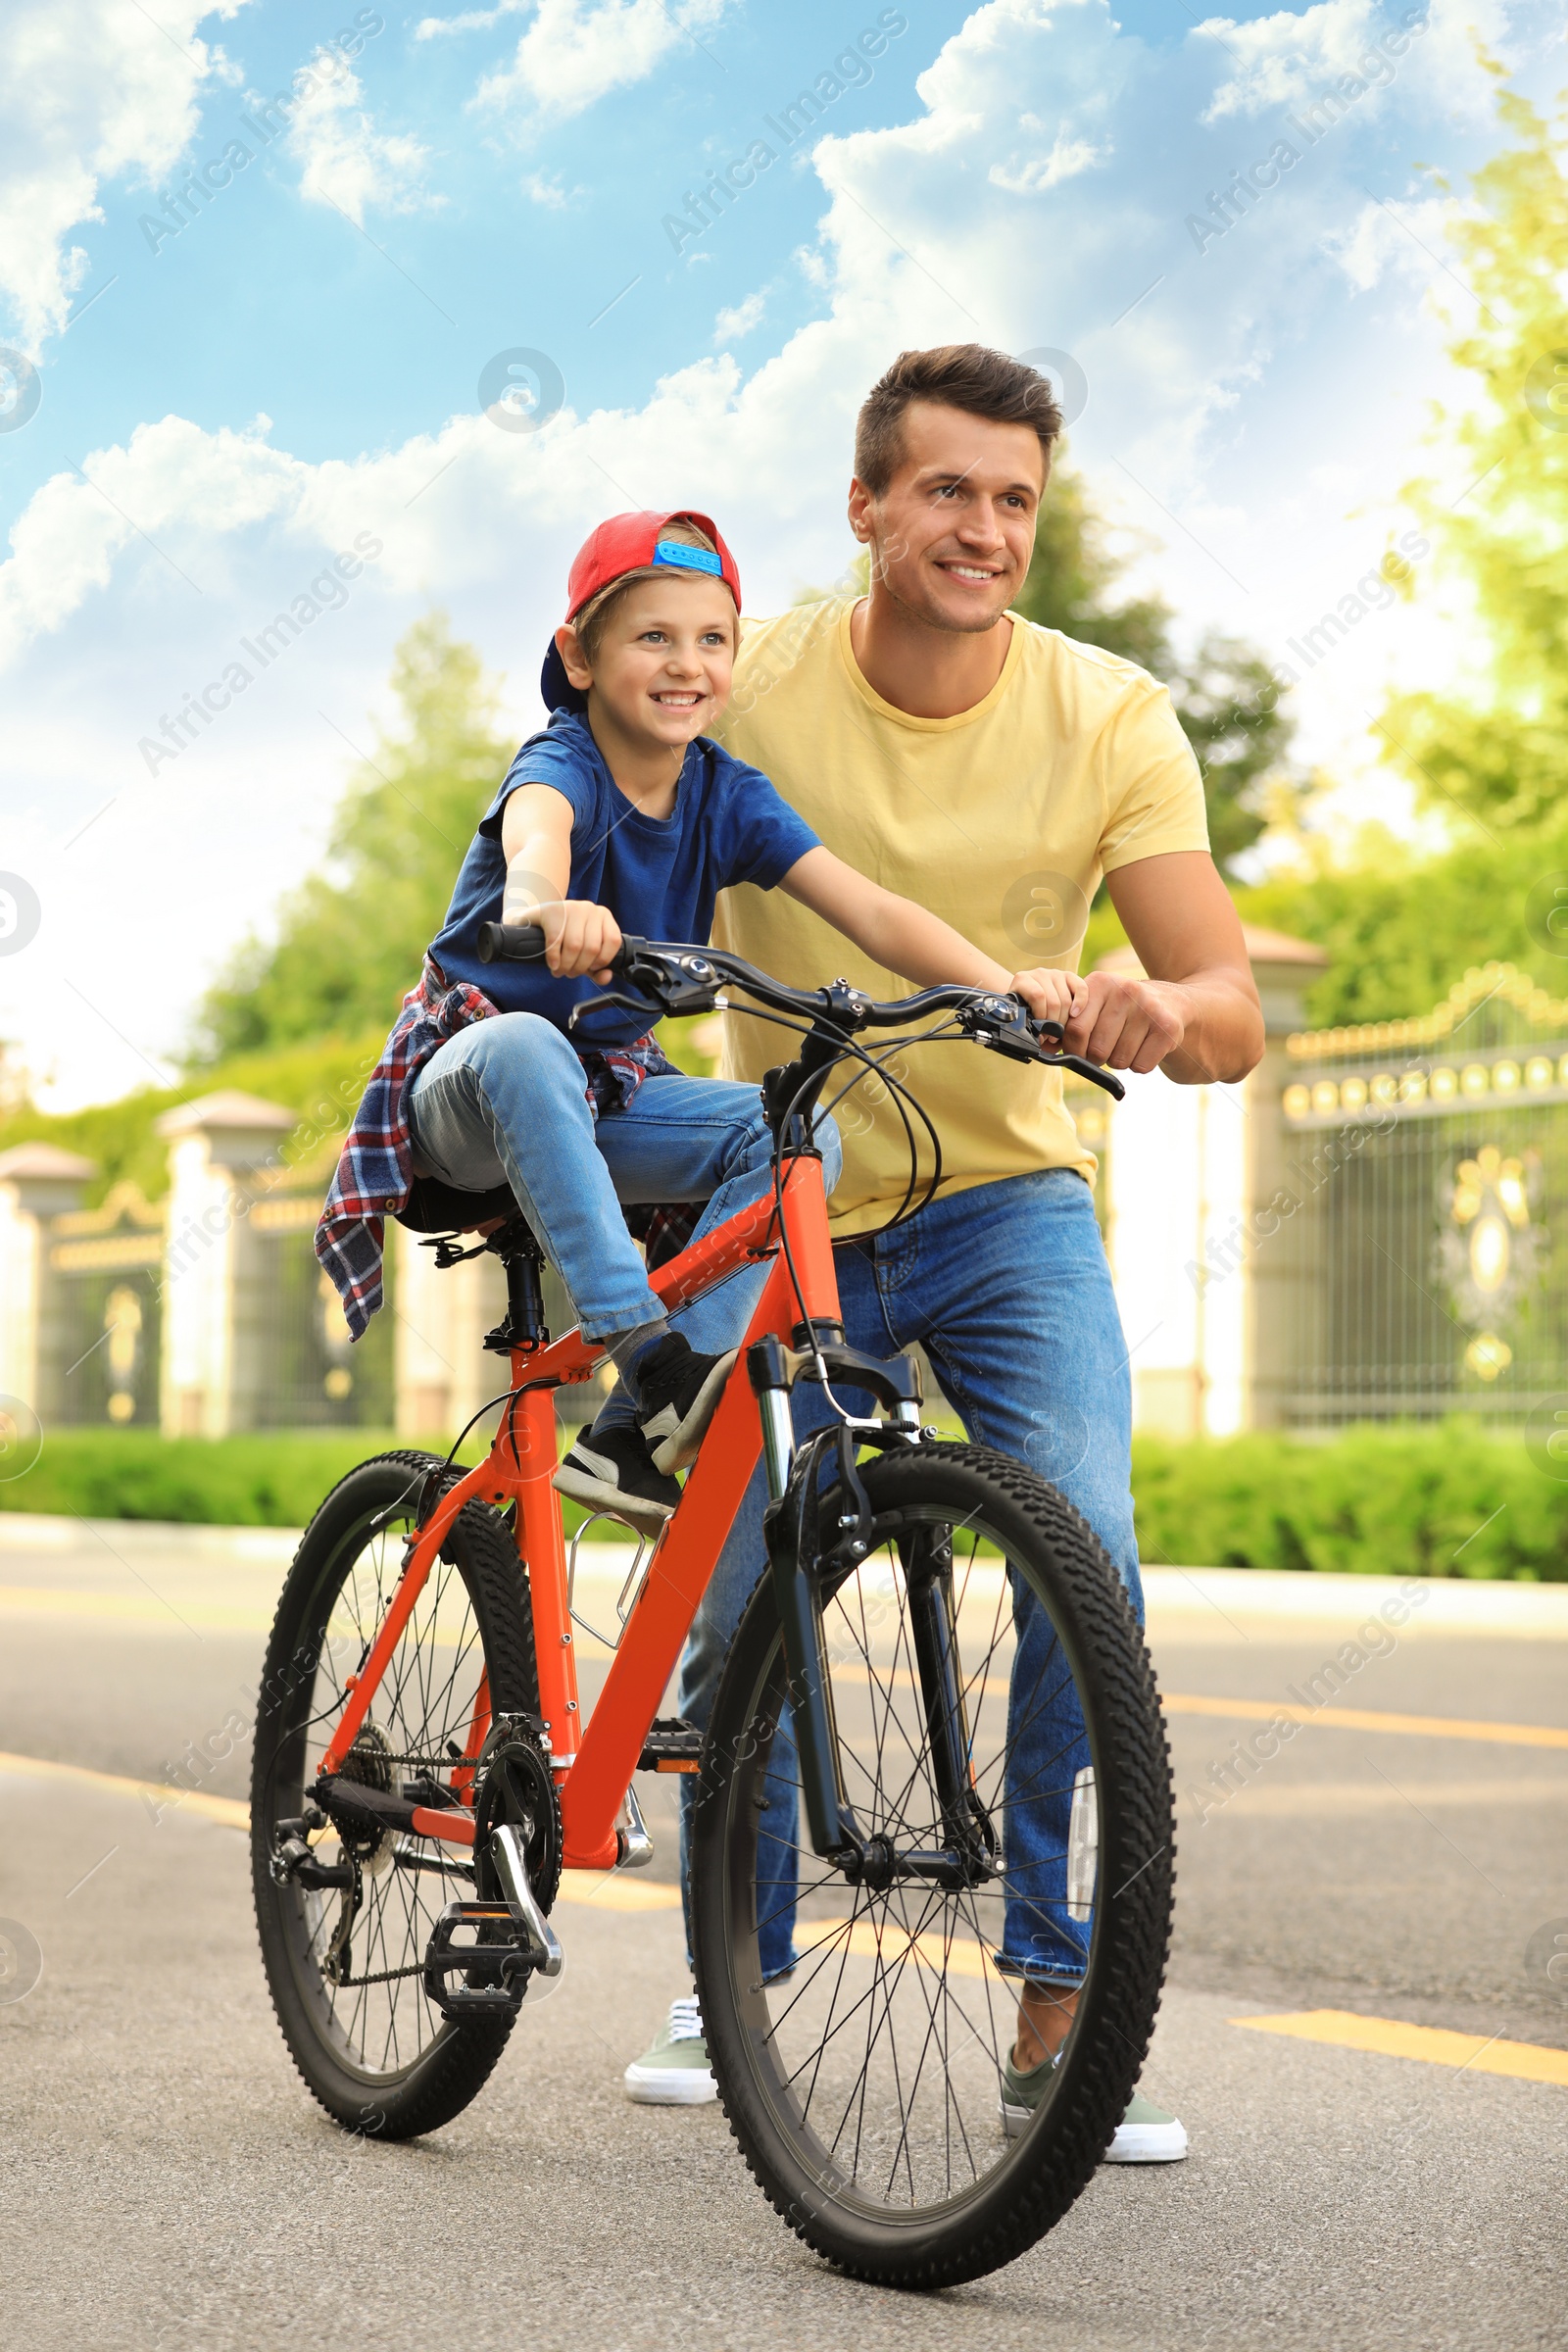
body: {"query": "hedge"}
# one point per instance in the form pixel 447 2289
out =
pixel 1442 1500
pixel 1420 1500
pixel 265 1479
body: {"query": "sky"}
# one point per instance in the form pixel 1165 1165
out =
pixel 347 313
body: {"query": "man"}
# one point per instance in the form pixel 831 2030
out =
pixel 994 771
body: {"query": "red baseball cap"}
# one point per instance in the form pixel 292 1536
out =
pixel 629 543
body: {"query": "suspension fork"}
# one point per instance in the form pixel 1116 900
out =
pixel 797 1555
pixel 927 1556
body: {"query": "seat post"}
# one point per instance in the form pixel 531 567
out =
pixel 523 1324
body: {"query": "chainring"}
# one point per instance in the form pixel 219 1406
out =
pixel 516 1785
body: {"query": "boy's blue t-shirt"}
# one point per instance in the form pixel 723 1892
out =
pixel 658 876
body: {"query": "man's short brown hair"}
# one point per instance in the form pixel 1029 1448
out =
pixel 960 376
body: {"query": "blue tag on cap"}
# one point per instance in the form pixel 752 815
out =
pixel 689 559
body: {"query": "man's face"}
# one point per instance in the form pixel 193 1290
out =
pixel 952 533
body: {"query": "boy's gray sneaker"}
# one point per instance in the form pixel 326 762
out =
pixel 612 1471
pixel 1146 2134
pixel 673 2071
pixel 679 1393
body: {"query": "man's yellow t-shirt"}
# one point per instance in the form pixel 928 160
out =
pixel 1002 820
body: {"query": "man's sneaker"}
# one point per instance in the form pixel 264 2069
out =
pixel 679 1393
pixel 673 2072
pixel 609 1470
pixel 1146 2134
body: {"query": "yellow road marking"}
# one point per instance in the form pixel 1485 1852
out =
pixel 607 1891
pixel 891 1944
pixel 130 1608
pixel 156 1794
pixel 1388 2037
pixel 1364 1719
pixel 1266 1710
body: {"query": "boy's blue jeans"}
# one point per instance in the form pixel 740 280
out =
pixel 504 1101
pixel 1006 1288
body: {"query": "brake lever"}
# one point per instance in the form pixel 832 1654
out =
pixel 649 1008
pixel 1019 1039
pixel 1086 1069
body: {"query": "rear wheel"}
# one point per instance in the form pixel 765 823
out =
pixel 345 1967
pixel 865 2087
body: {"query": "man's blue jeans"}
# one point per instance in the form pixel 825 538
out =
pixel 504 1101
pixel 1006 1288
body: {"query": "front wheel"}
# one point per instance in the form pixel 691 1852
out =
pixel 864 2068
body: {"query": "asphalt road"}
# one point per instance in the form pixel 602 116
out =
pixel 169 2183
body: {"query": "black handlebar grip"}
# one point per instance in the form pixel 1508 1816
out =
pixel 510 942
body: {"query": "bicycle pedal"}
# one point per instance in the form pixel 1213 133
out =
pixel 672 1744
pixel 495 1973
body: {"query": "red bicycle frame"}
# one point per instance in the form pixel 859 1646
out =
pixel 594 1765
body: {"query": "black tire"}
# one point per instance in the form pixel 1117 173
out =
pixel 960 2198
pixel 386 2061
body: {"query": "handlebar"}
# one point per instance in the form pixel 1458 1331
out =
pixel 666 980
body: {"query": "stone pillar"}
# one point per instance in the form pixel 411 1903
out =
pixel 215 1273
pixel 442 1370
pixel 37 1182
pixel 1206 1280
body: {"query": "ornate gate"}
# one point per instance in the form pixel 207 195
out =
pixel 1427 1201
pixel 106 1266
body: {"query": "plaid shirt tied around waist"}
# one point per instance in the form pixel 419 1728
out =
pixel 375 1170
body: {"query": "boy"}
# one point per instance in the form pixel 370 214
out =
pixel 621 812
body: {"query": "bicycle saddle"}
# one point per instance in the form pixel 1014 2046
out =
pixel 434 1206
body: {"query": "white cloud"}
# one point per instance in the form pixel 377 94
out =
pixel 549 192
pixel 1255 408
pixel 469 20
pixel 575 51
pixel 89 89
pixel 344 160
pixel 731 324
pixel 1066 158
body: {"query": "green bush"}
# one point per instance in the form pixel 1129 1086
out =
pixel 1418 1499
pixel 265 1479
pixel 1433 1501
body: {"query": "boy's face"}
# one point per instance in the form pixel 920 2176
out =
pixel 664 658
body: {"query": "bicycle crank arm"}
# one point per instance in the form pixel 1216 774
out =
pixel 358 1807
pixel 512 1869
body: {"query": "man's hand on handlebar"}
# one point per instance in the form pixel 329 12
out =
pixel 1126 1024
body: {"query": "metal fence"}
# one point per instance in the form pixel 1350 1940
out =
pixel 107 1265
pixel 1426 1209
pixel 312 1375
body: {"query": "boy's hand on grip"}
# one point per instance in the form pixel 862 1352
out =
pixel 581 939
pixel 1050 996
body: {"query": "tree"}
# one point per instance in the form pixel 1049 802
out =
pixel 1401 928
pixel 1496 742
pixel 350 940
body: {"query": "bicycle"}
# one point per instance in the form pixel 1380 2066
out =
pixel 422 1772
